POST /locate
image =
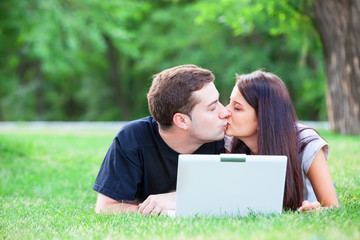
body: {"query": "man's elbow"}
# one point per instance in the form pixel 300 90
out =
pixel 103 203
pixel 99 209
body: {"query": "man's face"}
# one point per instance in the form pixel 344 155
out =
pixel 209 116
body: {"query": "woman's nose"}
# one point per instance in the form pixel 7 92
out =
pixel 224 113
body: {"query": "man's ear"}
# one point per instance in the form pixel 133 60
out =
pixel 181 120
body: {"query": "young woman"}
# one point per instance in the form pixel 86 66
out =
pixel 263 121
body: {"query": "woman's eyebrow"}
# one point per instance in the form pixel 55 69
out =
pixel 236 102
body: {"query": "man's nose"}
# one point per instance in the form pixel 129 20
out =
pixel 224 113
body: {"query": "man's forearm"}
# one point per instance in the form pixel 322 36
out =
pixel 118 208
pixel 105 204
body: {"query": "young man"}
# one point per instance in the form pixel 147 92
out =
pixel 139 171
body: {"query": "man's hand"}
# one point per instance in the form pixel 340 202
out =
pixel 309 207
pixel 158 204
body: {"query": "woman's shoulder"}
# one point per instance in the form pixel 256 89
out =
pixel 309 135
pixel 306 131
pixel 313 143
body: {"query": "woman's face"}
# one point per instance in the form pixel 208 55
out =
pixel 242 122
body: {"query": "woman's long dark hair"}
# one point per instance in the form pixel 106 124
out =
pixel 277 131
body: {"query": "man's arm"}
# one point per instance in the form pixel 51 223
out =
pixel 104 204
pixel 154 205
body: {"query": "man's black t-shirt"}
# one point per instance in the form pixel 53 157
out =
pixel 139 163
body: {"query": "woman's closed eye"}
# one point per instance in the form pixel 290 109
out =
pixel 237 107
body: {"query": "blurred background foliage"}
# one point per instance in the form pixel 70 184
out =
pixel 94 60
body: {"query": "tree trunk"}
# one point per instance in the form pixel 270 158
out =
pixel 338 23
pixel 23 68
pixel 113 58
pixel 39 93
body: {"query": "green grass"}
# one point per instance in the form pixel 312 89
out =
pixel 46 193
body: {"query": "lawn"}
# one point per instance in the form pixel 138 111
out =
pixel 46 193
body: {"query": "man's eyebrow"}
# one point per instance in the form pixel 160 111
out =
pixel 213 102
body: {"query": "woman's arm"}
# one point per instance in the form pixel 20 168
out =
pixel 320 178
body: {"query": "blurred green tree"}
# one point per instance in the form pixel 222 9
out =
pixel 93 60
pixel 63 58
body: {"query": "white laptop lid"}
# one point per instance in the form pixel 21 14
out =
pixel 229 184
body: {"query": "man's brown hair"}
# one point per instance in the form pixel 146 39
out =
pixel 171 92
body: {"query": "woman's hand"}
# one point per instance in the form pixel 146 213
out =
pixel 309 207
